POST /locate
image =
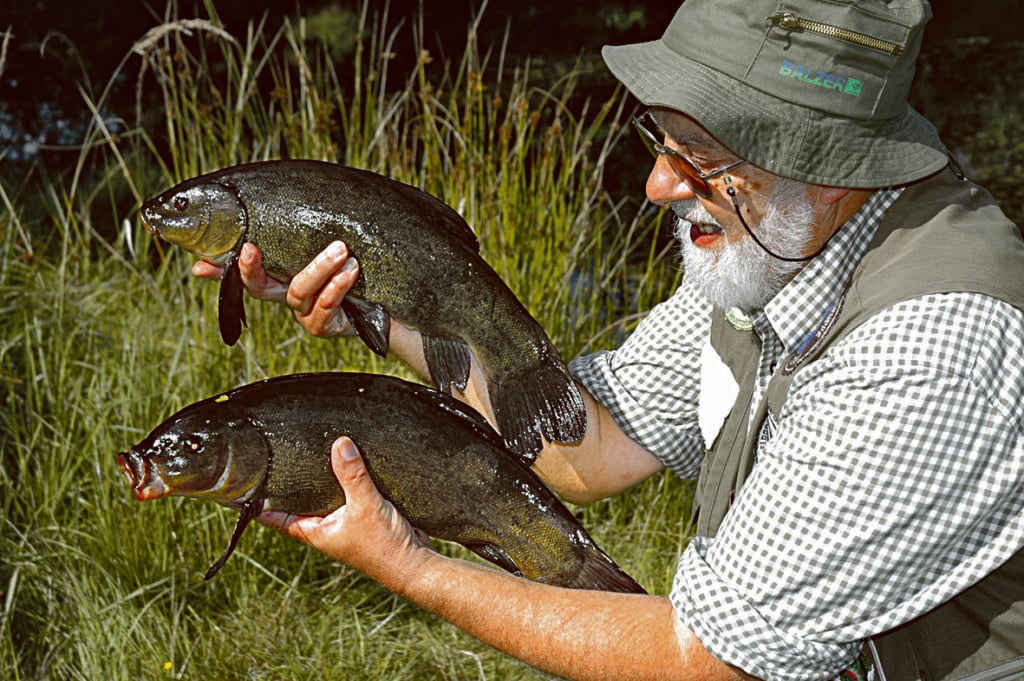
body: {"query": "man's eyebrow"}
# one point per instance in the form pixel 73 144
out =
pixel 691 138
pixel 694 138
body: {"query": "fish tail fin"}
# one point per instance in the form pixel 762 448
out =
pixel 541 400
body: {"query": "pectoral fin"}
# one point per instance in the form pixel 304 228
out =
pixel 371 321
pixel 250 510
pixel 231 303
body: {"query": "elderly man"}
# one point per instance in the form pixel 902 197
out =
pixel 841 369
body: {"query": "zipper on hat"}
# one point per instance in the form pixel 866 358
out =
pixel 790 21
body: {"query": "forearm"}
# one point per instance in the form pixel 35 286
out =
pixel 571 633
pixel 603 464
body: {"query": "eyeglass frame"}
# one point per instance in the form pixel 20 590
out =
pixel 701 186
pixel 699 179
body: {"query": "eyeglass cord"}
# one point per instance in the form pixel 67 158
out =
pixel 736 205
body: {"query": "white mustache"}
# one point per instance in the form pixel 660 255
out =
pixel 692 211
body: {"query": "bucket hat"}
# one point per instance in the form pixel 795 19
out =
pixel 814 90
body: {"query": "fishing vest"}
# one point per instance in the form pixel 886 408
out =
pixel 941 235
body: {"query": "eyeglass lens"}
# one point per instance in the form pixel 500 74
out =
pixel 684 167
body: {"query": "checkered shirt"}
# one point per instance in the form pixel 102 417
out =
pixel 892 481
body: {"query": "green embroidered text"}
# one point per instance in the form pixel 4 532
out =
pixel 830 81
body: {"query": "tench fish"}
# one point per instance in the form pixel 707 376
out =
pixel 267 445
pixel 419 263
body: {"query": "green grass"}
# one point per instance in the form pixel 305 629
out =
pixel 103 333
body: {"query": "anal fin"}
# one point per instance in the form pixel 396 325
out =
pixel 599 572
pixel 448 360
pixel 496 555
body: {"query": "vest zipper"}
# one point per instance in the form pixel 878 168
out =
pixel 790 21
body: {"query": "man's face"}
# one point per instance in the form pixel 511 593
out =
pixel 727 265
pixel 719 257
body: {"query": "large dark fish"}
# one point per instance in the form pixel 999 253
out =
pixel 444 468
pixel 420 264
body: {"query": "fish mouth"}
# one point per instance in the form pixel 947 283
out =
pixel 149 216
pixel 146 483
pixel 145 214
pixel 145 222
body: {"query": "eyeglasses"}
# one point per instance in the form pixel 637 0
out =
pixel 651 134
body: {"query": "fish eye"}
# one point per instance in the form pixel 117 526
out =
pixel 192 444
pixel 180 203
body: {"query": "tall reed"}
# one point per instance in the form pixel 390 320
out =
pixel 103 333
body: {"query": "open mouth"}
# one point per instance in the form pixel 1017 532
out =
pixel 145 222
pixel 137 470
pixel 704 234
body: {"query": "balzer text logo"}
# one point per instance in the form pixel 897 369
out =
pixel 830 81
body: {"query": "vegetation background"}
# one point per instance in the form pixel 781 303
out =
pixel 501 109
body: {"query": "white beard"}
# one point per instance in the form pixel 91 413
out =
pixel 743 275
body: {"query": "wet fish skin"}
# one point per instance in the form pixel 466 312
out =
pixel 419 263
pixel 439 462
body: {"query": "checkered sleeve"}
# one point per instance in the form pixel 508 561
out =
pixel 895 481
pixel 649 385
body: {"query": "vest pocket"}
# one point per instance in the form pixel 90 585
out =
pixel 1011 670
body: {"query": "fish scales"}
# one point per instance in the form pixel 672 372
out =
pixel 420 264
pixel 442 466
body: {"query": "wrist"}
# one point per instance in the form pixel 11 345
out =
pixel 415 573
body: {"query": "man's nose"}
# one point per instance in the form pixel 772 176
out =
pixel 665 185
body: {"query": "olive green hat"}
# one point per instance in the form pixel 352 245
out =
pixel 814 90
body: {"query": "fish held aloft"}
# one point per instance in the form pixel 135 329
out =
pixel 267 445
pixel 419 263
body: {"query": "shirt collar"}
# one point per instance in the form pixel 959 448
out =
pixel 804 301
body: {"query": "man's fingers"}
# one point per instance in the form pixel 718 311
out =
pixel 207 270
pixel 317 291
pixel 255 279
pixel 348 467
pixel 347 464
pixel 314 276
pixel 295 526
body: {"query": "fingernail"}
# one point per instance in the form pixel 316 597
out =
pixel 348 451
pixel 336 249
pixel 350 265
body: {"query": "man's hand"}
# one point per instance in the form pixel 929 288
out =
pixel 366 533
pixel 573 633
pixel 315 293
